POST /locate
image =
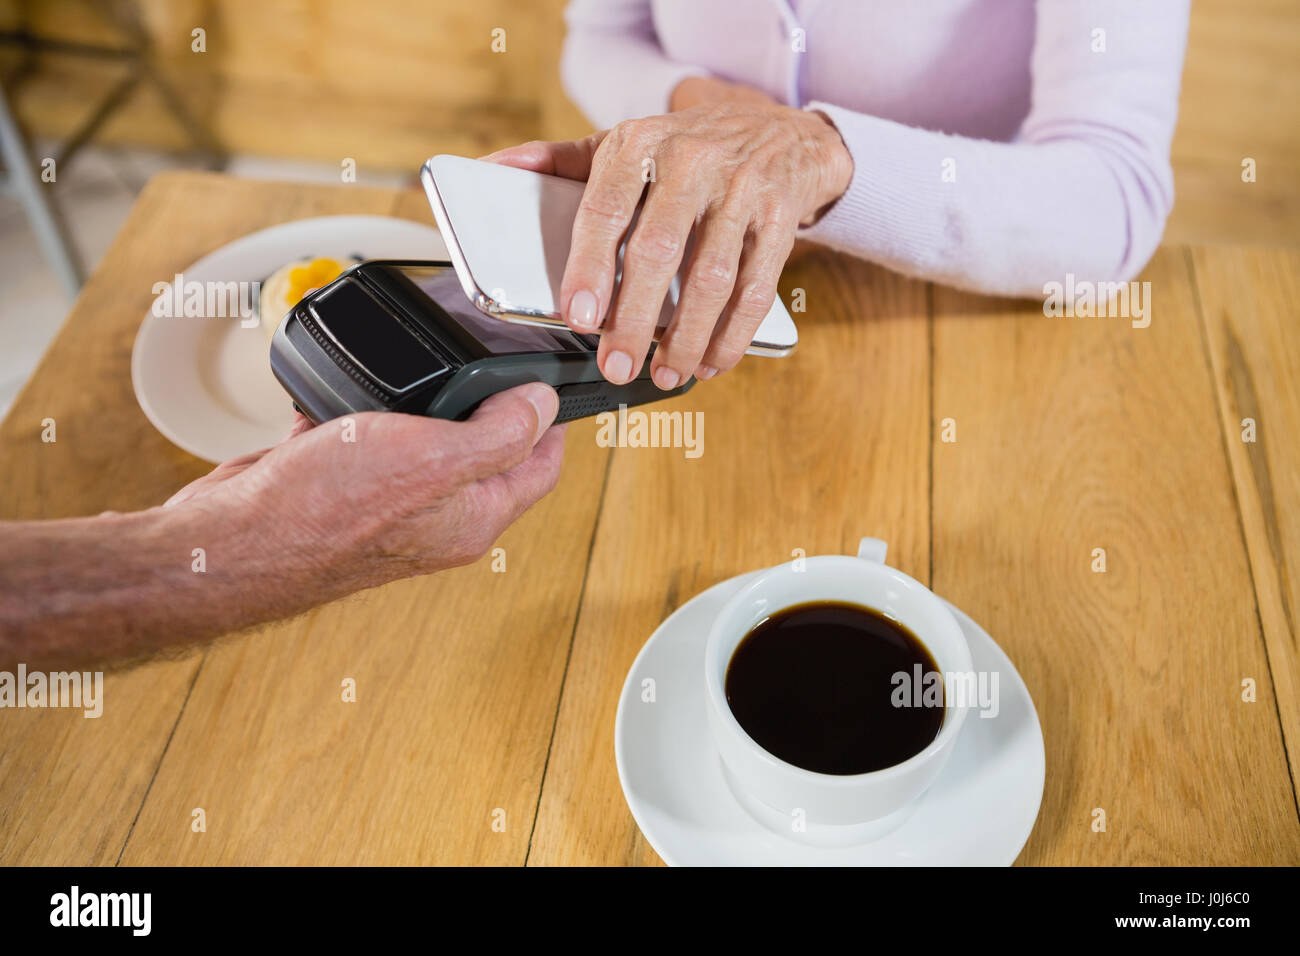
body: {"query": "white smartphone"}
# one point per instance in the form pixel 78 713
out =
pixel 507 232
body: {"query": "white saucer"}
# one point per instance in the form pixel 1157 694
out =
pixel 206 383
pixel 978 813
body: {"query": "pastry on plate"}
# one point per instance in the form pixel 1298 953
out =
pixel 286 286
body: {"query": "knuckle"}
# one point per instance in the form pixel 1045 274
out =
pixel 516 429
pixel 604 207
pixel 713 276
pixel 773 212
pixel 686 340
pixel 729 213
pixel 655 244
pixel 772 222
pixel 629 135
pixel 755 299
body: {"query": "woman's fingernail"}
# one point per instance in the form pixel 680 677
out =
pixel 582 310
pixel 665 377
pixel 618 367
pixel 705 372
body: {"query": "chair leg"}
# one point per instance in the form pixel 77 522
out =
pixel 51 233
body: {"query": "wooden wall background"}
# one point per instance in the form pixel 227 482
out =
pixel 388 82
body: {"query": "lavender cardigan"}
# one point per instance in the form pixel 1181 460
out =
pixel 998 144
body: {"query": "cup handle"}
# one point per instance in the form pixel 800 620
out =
pixel 872 549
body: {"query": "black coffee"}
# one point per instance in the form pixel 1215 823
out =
pixel 814 685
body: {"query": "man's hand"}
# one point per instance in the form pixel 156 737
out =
pixel 378 496
pixel 743 174
pixel 349 504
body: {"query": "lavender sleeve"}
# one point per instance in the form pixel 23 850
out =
pixel 1085 187
pixel 613 66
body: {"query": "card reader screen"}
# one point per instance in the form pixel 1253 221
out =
pixel 373 338
pixel 496 335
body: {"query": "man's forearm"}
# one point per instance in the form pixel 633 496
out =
pixel 126 585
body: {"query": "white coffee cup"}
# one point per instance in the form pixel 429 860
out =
pixel 819 808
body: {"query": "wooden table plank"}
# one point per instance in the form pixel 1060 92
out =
pixel 457 675
pixel 480 691
pixel 1248 299
pixel 812 452
pixel 71 787
pixel 1083 433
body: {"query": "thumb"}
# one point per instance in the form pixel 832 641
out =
pixel 570 160
pixel 503 430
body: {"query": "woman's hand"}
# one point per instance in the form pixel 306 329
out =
pixel 744 174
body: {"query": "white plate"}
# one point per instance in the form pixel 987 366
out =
pixel 206 383
pixel 978 813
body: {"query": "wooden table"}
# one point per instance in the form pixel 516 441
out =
pixel 481 693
